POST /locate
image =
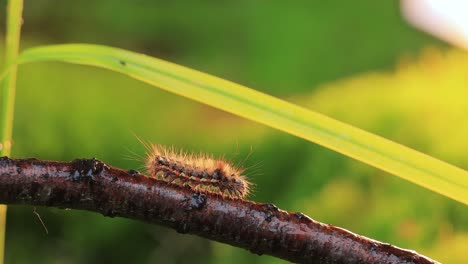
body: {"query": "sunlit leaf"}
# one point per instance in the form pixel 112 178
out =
pixel 399 160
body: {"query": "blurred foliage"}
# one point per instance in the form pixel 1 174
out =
pixel 421 104
pixel 68 111
pixel 275 47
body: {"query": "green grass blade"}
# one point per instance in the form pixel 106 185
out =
pixel 399 160
pixel 14 21
pixel 8 87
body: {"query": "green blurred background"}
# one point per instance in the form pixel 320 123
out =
pixel 356 61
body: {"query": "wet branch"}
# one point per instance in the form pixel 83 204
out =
pixel 90 184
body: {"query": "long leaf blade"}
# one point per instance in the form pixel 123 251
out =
pixel 379 152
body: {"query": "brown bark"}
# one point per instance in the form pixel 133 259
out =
pixel 90 184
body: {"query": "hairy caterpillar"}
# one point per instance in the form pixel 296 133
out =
pixel 201 172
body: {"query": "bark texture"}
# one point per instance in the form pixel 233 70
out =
pixel 89 184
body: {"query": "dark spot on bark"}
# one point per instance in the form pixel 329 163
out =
pixel 272 207
pixel 133 173
pixel 19 170
pixel 197 201
pixel 114 179
pixel 268 216
pixel 45 175
pixel 271 210
pixel 5 161
pixel 86 169
pixel 300 215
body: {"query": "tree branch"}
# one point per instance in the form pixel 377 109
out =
pixel 91 185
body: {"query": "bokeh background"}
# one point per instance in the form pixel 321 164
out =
pixel 356 61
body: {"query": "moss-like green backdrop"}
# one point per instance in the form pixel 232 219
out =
pixel 355 61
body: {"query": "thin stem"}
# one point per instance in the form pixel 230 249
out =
pixel 13 31
pixel 14 21
pixel 261 228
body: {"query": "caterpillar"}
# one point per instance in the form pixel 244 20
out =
pixel 201 172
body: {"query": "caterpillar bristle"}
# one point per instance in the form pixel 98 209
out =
pixel 201 172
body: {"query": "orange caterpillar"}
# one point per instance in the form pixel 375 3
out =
pixel 201 172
